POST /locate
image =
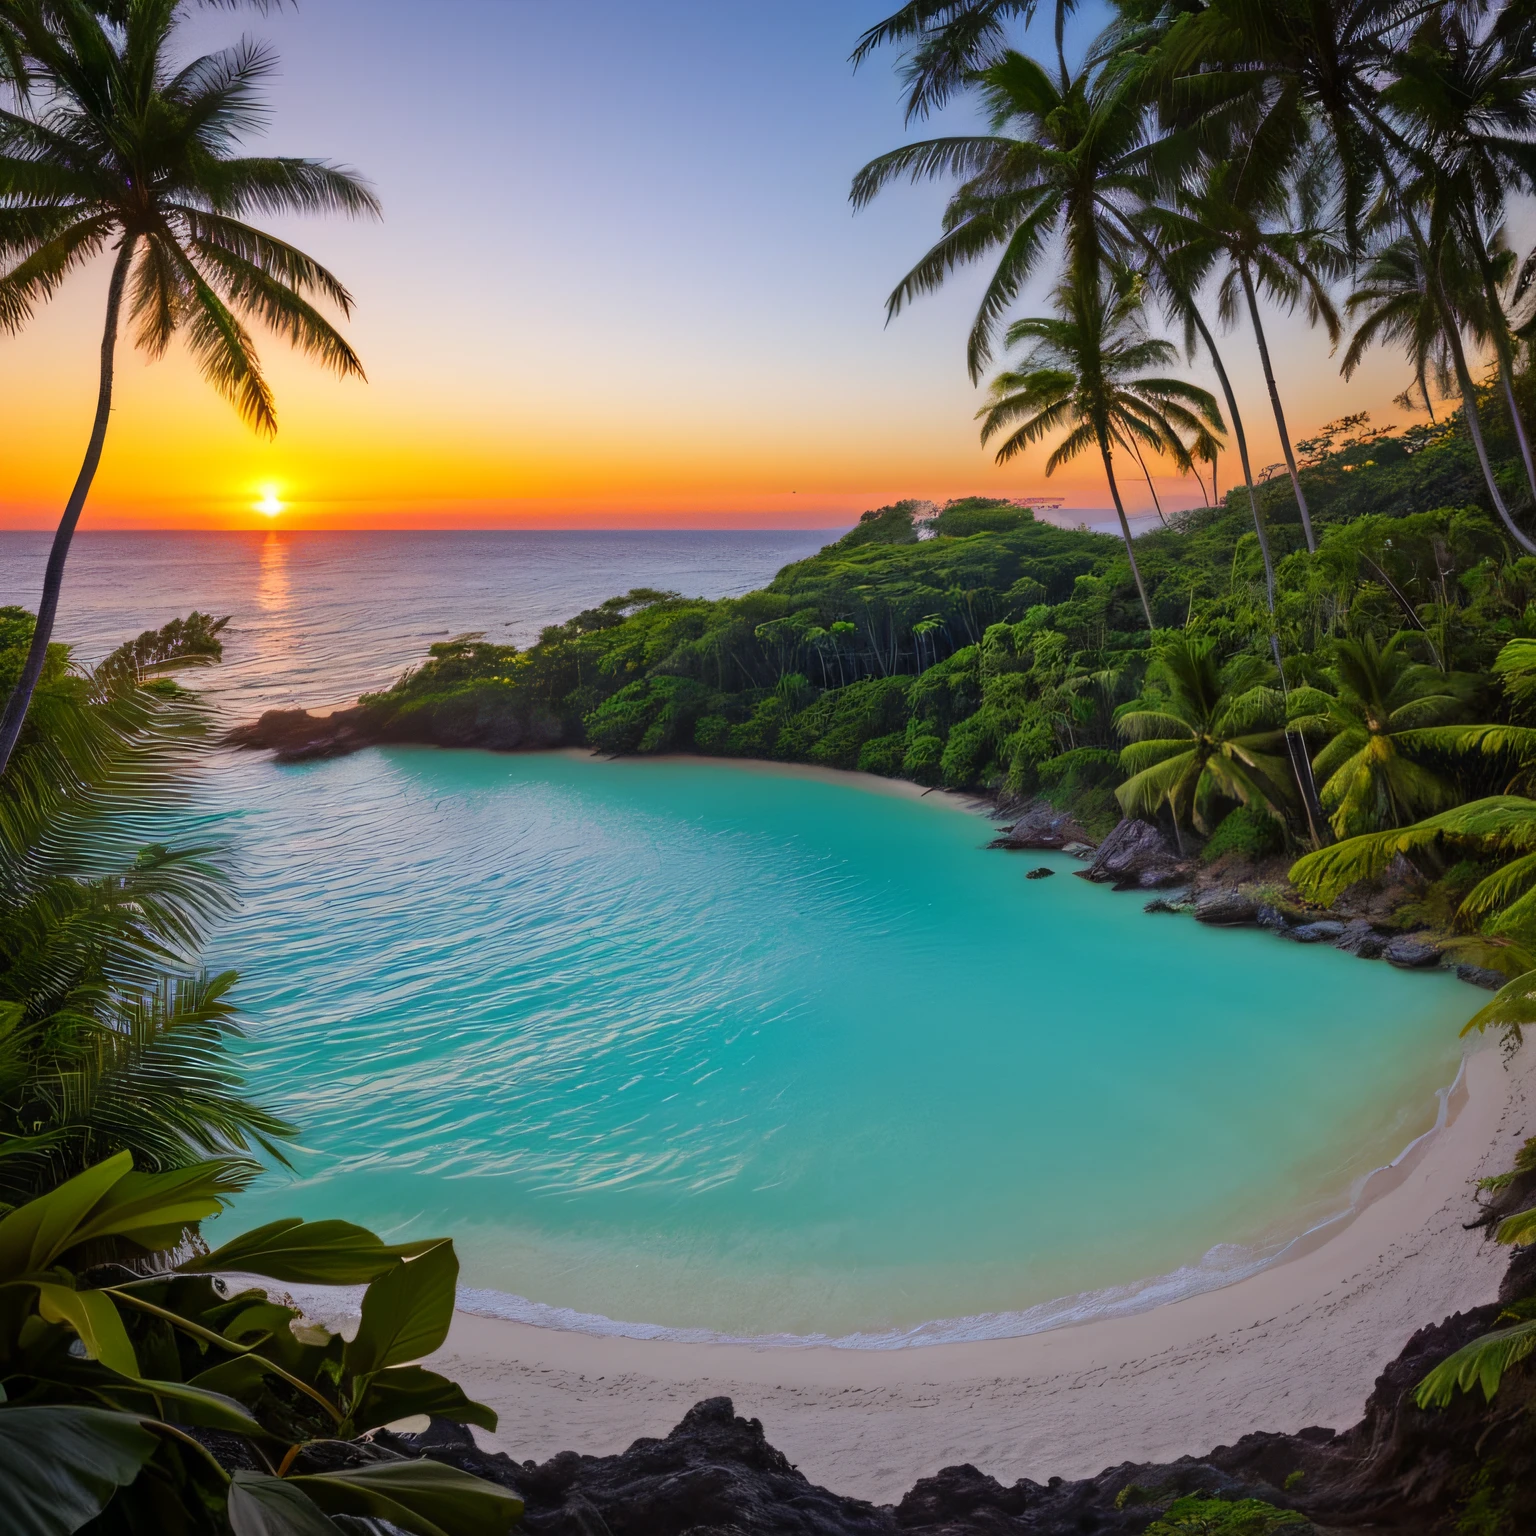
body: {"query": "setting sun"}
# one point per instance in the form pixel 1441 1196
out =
pixel 269 505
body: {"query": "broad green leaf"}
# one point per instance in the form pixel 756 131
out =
pixel 1481 1363
pixel 309 1253
pixel 234 1376
pixel 272 1506
pixel 35 1234
pixel 1513 1006
pixel 420 1496
pixel 154 1209
pixel 406 1313
pixel 62 1465
pixel 96 1320
pixel 1518 1229
pixel 407 1390
pixel 194 1404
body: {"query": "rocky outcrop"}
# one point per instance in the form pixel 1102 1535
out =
pixel 1401 1470
pixel 1324 931
pixel 1136 856
pixel 1360 937
pixel 461 720
pixel 1226 907
pixel 1411 954
pixel 1042 826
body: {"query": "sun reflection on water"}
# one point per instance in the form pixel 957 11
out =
pixel 272 591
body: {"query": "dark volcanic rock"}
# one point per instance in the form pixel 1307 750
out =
pixel 1136 855
pixel 1411 954
pixel 461 720
pixel 1326 931
pixel 1361 938
pixel 1226 908
pixel 713 1473
pixel 1480 976
pixel 1040 874
pixel 1402 1470
pixel 1042 826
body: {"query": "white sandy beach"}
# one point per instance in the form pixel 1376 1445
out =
pixel 1298 1343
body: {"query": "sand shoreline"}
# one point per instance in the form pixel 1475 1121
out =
pixel 1297 1343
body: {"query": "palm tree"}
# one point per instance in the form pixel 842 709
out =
pixel 1316 69
pixel 1087 375
pixel 1246 215
pixel 1391 301
pixel 114 1040
pixel 1498 827
pixel 121 151
pixel 948 41
pixel 1059 155
pixel 1467 115
pixel 1386 708
pixel 1209 734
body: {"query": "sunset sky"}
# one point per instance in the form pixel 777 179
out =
pixel 618 282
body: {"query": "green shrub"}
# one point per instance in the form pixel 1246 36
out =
pixel 711 733
pixel 923 758
pixel 883 755
pixel 1248 831
pixel 834 729
pixel 1197 1516
pixel 654 715
pixel 1083 782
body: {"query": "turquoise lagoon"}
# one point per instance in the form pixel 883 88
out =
pixel 713 1047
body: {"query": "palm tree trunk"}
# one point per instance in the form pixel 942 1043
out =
pixel 1242 454
pixel 1506 358
pixel 17 704
pixel 1147 473
pixel 1452 330
pixel 1125 526
pixel 1187 302
pixel 1274 400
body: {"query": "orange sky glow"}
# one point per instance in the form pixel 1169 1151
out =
pixel 679 356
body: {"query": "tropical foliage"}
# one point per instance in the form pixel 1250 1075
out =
pixel 111 1036
pixel 1205 735
pixel 118 1382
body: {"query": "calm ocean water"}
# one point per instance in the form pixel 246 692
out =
pixel 712 1047
pixel 318 618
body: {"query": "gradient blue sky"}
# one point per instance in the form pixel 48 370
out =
pixel 618 281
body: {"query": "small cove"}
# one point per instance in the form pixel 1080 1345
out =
pixel 705 1047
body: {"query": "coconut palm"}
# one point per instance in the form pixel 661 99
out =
pixel 1079 156
pixel 948 41
pixel 1499 827
pixel 1386 709
pixel 1059 155
pixel 1248 222
pixel 1316 70
pixel 1466 113
pixel 1391 301
pixel 1087 375
pixel 1208 735
pixel 116 149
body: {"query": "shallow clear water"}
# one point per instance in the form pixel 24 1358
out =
pixel 709 1046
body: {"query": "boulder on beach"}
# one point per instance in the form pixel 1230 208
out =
pixel 1137 856
pixel 1228 908
pixel 1411 954
pixel 1042 826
